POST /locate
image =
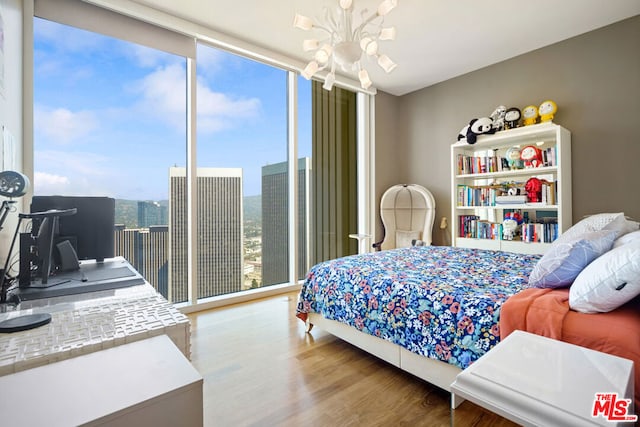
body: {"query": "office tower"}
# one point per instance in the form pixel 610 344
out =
pixel 151 213
pixel 146 250
pixel 218 232
pixel 275 221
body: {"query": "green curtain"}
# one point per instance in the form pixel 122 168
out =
pixel 334 210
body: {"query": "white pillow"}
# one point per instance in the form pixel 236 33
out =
pixel 566 258
pixel 627 238
pixel 632 226
pixel 604 221
pixel 608 282
pixel 404 238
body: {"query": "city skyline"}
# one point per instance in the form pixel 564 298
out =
pixel 158 251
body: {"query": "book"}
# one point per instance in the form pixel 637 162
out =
pixel 510 200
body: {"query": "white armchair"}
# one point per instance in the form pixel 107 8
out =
pixel 407 212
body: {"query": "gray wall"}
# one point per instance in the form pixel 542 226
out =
pixel 593 78
pixel 389 153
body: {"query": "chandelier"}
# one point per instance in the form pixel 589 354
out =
pixel 344 41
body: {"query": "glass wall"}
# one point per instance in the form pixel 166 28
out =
pixel 242 179
pixel 110 120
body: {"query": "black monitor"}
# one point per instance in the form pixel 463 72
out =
pixel 90 231
pixel 65 229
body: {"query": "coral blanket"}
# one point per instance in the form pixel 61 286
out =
pixel 546 312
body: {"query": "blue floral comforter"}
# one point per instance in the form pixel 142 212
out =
pixel 439 302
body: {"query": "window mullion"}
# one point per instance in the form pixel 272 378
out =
pixel 292 155
pixel 192 183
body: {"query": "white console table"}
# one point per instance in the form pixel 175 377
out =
pixel 537 381
pixel 89 322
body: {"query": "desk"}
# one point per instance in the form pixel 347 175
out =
pixel 89 322
pixel 537 381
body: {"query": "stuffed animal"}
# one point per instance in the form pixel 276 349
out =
pixel 481 126
pixel 547 110
pixel 515 215
pixel 530 114
pixel 512 118
pixel 498 117
pixel 513 158
pixel 509 227
pixel 533 187
pixel 463 132
pixel 532 156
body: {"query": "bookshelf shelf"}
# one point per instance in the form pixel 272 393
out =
pixel 509 173
pixel 539 206
pixel 482 175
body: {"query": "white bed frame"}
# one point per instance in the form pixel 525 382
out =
pixel 438 373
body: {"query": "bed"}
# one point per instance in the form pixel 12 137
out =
pixel 431 311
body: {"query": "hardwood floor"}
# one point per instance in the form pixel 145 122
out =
pixel 260 368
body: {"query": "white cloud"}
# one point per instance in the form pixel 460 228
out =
pixel 73 162
pixel 90 174
pixel 46 183
pixel 63 126
pixel 74 173
pixel 164 96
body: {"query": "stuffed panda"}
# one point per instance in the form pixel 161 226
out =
pixel 481 126
pixel 463 132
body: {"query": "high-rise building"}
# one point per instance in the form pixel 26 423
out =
pixel 151 213
pixel 146 249
pixel 219 232
pixel 275 221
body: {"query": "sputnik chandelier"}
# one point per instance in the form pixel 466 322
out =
pixel 345 40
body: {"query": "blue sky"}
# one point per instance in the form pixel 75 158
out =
pixel 110 115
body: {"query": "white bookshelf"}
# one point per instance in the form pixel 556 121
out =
pixel 492 177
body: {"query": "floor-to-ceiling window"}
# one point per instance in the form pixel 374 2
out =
pixel 114 114
pixel 110 120
pixel 241 172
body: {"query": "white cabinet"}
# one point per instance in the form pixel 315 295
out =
pixel 144 383
pixel 482 175
pixel 538 381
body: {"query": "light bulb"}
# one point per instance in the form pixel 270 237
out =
pixel 364 42
pixel 329 81
pixel 346 4
pixel 365 81
pixel 321 56
pixel 310 70
pixel 302 22
pixel 387 6
pixel 372 48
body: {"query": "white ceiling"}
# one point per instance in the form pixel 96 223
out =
pixel 436 40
